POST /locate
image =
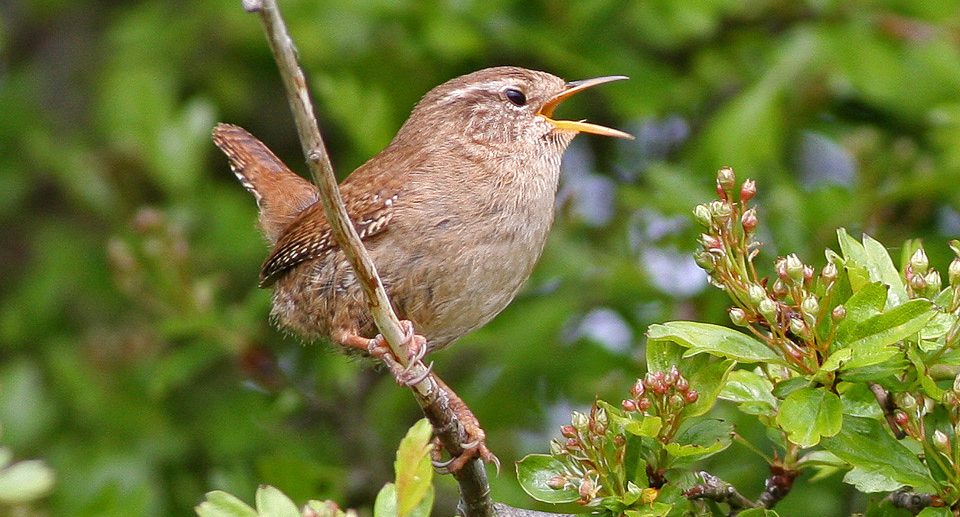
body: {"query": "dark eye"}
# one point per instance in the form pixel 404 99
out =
pixel 515 96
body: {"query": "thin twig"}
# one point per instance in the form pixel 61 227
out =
pixel 474 488
pixel 718 490
pixel 888 408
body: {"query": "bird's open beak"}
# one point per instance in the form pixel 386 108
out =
pixel 580 126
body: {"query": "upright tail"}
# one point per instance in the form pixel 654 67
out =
pixel 280 193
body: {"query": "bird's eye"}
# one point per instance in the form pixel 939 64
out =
pixel 515 96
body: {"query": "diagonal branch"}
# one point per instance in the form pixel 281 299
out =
pixel 474 488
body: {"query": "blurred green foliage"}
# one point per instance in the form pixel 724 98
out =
pixel 136 356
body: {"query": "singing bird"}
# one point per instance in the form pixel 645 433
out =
pixel 454 213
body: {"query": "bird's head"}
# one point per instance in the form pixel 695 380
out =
pixel 507 109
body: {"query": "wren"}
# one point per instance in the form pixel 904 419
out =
pixel 454 212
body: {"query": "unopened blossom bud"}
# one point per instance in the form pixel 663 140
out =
pixel 839 312
pixel 807 274
pixel 780 288
pixel 702 214
pixel 682 384
pixel 671 376
pixel 557 482
pixel 726 179
pixel 901 418
pixel 756 294
pixel 738 317
pixel 906 401
pixel 748 190
pixel 677 400
pixel 586 489
pixel 781 267
pixel 794 267
pixel 721 211
pixel 949 398
pixel 706 261
pixel 918 283
pixel 933 280
pixel 637 389
pixel 919 262
pixel 768 309
pixel 953 272
pixel 749 220
pixel 572 444
pixel 556 449
pixel 691 396
pixel 710 242
pixel 648 380
pixel 643 404
pixel 601 418
pixel 568 431
pixel 941 441
pixel 579 420
pixel 829 273
pixel 628 405
pixel 798 327
pixel 810 305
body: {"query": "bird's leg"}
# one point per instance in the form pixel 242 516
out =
pixel 413 343
pixel 476 445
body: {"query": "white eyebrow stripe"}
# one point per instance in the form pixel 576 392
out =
pixel 462 92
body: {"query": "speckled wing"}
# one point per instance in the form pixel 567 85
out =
pixel 309 236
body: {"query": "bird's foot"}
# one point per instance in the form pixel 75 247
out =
pixel 415 346
pixel 476 443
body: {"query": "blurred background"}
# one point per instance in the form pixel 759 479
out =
pixel 136 355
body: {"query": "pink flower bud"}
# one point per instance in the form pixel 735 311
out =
pixel 748 190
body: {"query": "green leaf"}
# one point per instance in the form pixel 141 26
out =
pixel 662 354
pixel 871 342
pixel 866 443
pixel 715 340
pixel 25 481
pixel 413 468
pixel 655 509
pixel 386 502
pixel 707 377
pixel 929 385
pixel 810 413
pixel 271 502
pixel 873 258
pixel 854 257
pixel 698 439
pixel 858 400
pixel 636 424
pixel 881 269
pixel 870 481
pixel 931 511
pixel 862 305
pixel 425 508
pixel 758 512
pixel 222 504
pixel 535 471
pixel 752 392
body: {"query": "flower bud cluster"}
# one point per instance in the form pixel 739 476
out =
pixel 728 221
pixel 586 441
pixel 922 280
pixel 787 308
pixel 664 394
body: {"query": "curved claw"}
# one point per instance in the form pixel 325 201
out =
pixel 442 466
pixel 419 378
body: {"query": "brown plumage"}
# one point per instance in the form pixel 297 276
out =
pixel 454 212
